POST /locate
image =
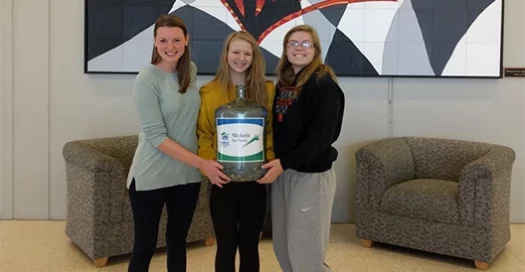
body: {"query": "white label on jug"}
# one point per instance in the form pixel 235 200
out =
pixel 240 139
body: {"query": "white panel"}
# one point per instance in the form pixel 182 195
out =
pixel 394 5
pixel 456 65
pixel 6 109
pixel 31 109
pixel 111 60
pixel 137 53
pixel 365 119
pixel 486 28
pixel 373 51
pixel 477 53
pixel 371 25
pixel 63 107
pixel 177 5
pixel 353 24
pixel 483 59
pixel 200 3
pixel 378 23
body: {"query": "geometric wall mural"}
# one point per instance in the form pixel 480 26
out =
pixel 369 38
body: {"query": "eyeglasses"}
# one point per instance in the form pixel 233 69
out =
pixel 303 44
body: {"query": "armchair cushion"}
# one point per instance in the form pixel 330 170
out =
pixel 431 200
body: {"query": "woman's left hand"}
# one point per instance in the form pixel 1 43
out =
pixel 274 170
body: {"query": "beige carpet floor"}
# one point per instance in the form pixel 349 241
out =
pixel 41 246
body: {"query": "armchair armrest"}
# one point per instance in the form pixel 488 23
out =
pixel 484 188
pixel 96 177
pixel 91 159
pixel 380 165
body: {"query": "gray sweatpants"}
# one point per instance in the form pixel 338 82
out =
pixel 301 216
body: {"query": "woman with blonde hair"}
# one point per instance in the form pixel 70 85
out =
pixel 237 208
pixel 308 114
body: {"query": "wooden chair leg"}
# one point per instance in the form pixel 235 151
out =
pixel 100 262
pixel 365 242
pixel 209 242
pixel 481 265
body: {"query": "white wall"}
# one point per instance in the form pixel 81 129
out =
pixel 6 109
pixel 46 100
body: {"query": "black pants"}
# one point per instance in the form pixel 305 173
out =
pixel 147 207
pixel 238 212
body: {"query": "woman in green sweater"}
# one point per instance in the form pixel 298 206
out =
pixel 165 168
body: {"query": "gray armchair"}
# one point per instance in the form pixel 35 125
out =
pixel 443 196
pixel 99 218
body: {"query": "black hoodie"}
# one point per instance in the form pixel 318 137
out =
pixel 305 128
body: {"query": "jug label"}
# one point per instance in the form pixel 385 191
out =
pixel 240 139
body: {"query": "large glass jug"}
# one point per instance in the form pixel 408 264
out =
pixel 240 137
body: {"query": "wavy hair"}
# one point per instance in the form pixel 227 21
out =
pixel 284 71
pixel 255 77
pixel 183 65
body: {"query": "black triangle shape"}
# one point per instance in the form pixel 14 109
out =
pixel 346 59
pixel 442 33
pixel 333 14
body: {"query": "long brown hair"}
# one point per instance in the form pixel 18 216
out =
pixel 183 65
pixel 284 71
pixel 255 78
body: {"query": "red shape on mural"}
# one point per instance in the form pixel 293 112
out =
pixel 240 6
pixel 260 4
pixel 313 7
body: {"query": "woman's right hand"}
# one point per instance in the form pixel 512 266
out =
pixel 212 170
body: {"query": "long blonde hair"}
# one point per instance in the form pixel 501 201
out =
pixel 255 77
pixel 183 65
pixel 284 71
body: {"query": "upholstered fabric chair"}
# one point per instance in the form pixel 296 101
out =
pixel 444 196
pixel 99 219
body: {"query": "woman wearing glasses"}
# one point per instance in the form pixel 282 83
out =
pixel 308 113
